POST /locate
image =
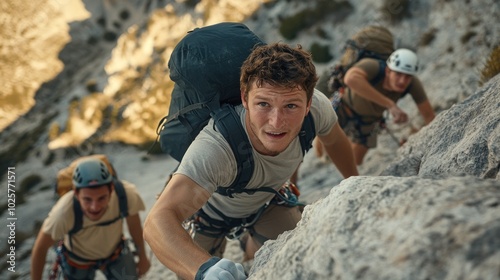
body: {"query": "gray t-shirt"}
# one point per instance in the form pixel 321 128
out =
pixel 210 162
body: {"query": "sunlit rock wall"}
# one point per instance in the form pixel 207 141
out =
pixel 33 34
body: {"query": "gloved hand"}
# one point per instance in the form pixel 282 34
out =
pixel 220 269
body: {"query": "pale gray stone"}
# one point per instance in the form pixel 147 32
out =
pixel 392 228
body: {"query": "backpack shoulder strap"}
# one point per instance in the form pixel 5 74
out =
pixel 307 133
pixel 380 74
pixel 77 226
pixel 77 209
pixel 122 198
pixel 229 125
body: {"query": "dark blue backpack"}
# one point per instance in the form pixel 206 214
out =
pixel 205 67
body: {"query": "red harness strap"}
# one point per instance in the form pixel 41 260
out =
pixel 85 264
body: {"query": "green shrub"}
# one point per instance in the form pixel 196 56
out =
pixel 320 53
pixel 492 66
pixel 292 25
pixel 191 3
pixel 322 33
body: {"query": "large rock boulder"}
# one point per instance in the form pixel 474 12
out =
pixel 461 141
pixel 392 228
pixel 440 221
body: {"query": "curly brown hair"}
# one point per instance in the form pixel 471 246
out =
pixel 280 65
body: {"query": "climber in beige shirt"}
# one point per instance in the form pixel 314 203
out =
pixel 99 243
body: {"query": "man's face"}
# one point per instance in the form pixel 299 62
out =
pixel 398 82
pixel 94 201
pixel 274 116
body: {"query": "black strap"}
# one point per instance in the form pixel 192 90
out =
pixel 184 110
pixel 228 123
pixel 375 80
pixel 307 133
pixel 362 53
pixel 380 74
pixel 77 226
pixel 227 223
pixel 122 198
pixel 212 104
pixel 62 250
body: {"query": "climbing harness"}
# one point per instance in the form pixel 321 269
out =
pixel 234 228
pixel 359 122
pixel 55 271
pixel 288 195
pixel 76 262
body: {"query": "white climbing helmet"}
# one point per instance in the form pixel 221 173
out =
pixel 404 61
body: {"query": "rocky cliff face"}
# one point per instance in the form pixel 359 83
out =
pixel 62 75
pixel 392 228
pixel 433 215
pixel 462 141
pixel 114 85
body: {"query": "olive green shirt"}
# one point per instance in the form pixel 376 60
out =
pixel 368 108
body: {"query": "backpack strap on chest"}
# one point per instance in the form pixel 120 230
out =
pixel 228 123
pixel 122 198
pixel 77 225
pixel 307 133
pixel 380 74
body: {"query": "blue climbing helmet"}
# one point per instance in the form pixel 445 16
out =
pixel 91 173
